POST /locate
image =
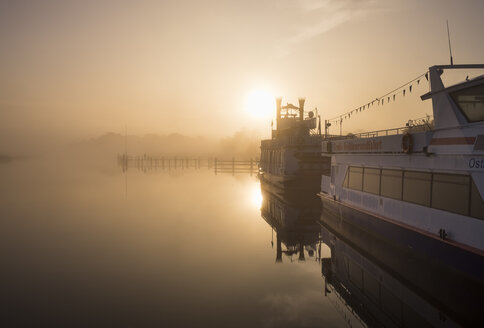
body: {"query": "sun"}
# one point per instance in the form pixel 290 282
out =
pixel 260 103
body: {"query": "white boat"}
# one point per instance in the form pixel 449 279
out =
pixel 422 185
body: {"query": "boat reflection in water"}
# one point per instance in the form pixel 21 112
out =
pixel 383 297
pixel 292 213
pixel 369 282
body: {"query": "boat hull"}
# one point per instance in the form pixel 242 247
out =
pixel 446 273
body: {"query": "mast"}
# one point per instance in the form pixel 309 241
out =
pixel 450 48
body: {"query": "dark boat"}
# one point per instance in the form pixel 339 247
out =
pixel 293 154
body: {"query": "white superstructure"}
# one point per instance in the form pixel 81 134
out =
pixel 431 181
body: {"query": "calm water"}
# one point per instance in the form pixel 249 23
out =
pixel 84 245
pixel 81 245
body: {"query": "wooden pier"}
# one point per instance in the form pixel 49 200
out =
pixel 149 163
pixel 234 166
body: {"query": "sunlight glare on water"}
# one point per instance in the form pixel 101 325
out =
pixel 256 196
pixel 180 249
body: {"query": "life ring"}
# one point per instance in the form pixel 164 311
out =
pixel 407 143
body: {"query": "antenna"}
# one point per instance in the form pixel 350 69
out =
pixel 450 48
pixel 126 161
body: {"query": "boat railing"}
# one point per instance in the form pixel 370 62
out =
pixel 415 125
pixel 383 133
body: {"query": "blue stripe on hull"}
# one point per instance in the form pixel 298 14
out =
pixel 453 256
pixel 444 274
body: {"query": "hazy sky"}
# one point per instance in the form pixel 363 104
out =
pixel 81 68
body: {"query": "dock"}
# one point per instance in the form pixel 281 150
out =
pixel 150 163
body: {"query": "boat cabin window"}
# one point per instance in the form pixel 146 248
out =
pixel 477 205
pixel 471 102
pixel 371 180
pixel 355 178
pixel 391 183
pixel 455 193
pixel 450 192
pixel 416 187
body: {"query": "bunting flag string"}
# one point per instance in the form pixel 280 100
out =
pixel 381 100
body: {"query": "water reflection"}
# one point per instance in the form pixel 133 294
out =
pixel 402 278
pixel 191 251
pixel 256 197
pixel 292 213
pixel 179 251
pixel 371 294
pixel 369 281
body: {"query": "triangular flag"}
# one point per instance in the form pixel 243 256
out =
pixel 404 92
pixel 388 100
pixel 393 97
pixel 418 81
pixel 410 88
pixel 427 76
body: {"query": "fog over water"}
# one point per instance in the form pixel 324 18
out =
pixel 177 248
pixel 75 70
pixel 85 243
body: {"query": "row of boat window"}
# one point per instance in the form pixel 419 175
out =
pixel 471 102
pixel 455 193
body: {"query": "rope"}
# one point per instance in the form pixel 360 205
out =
pixel 340 117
